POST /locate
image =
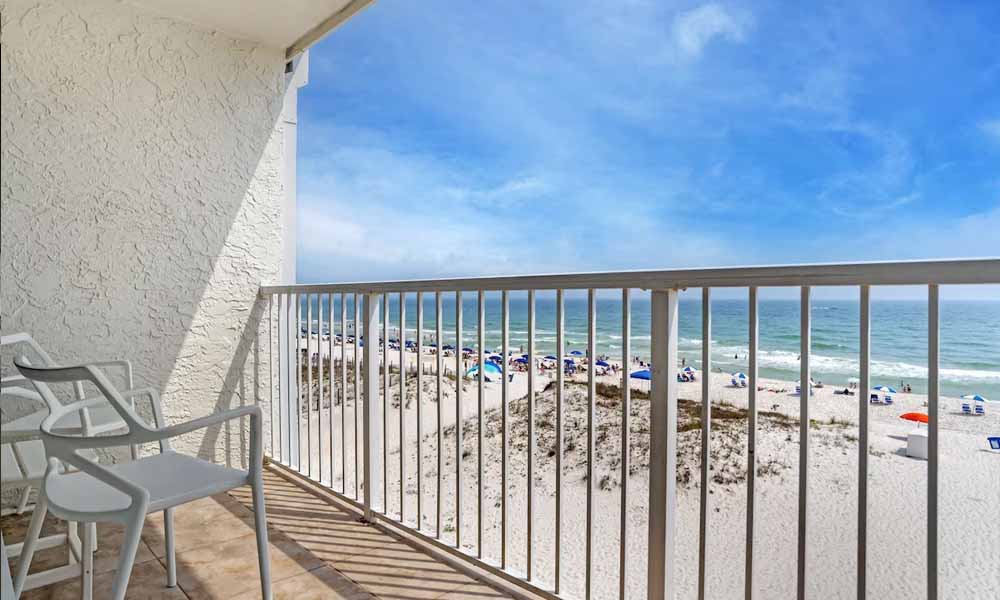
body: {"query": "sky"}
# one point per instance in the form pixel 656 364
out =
pixel 445 139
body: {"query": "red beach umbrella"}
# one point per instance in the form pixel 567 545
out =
pixel 914 416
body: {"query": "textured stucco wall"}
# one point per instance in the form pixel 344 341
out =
pixel 141 198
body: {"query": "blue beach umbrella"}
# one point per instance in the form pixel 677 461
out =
pixel 576 353
pixel 602 363
pixel 550 357
pixel 884 388
pixel 467 349
pixel 975 398
pixel 521 360
pixel 448 347
pixel 643 374
pixel 689 370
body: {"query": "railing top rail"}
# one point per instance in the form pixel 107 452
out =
pixel 922 272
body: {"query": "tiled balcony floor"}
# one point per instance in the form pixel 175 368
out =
pixel 318 550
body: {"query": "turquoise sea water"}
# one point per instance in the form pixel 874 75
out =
pixel 970 335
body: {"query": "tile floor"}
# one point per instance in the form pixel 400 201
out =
pixel 319 550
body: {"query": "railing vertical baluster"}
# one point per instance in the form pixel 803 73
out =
pixel 298 382
pixel 357 395
pixel 626 440
pixel 458 419
pixel 751 444
pixel 402 407
pixel 504 418
pixel 270 365
pixel 371 375
pixel 864 385
pixel 560 390
pixel 591 423
pixel 481 342
pixel 385 397
pixel 805 390
pixel 663 446
pixel 331 375
pixel 420 413
pixel 319 379
pixel 343 393
pixel 283 373
pixel 309 384
pixel 438 365
pixel 706 434
pixel 531 432
pixel 933 393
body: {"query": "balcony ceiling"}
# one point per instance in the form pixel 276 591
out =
pixel 291 24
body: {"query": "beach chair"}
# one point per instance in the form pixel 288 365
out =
pixel 873 399
pixel 966 408
pixel 980 409
pixel 888 399
pixel 994 442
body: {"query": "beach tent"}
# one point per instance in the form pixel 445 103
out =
pixel 644 375
pixel 491 369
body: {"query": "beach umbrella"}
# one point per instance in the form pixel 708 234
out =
pixel 644 375
pixel 916 417
pixel 602 363
pixel 975 398
pixel 467 349
pixel 496 357
pixel 521 360
pixel 569 361
pixel 550 357
pixel 448 347
pixel 689 370
pixel 884 389
pixel 524 356
pixel 576 353
pixel 739 375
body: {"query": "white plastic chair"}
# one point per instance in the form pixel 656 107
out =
pixel 22 454
pixel 127 492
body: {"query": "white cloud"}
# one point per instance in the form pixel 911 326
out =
pixel 696 28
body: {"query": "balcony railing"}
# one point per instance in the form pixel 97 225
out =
pixel 331 418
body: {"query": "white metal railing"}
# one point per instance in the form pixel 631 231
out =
pixel 363 439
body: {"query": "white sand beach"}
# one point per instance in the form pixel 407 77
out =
pixel 969 482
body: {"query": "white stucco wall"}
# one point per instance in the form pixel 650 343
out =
pixel 142 186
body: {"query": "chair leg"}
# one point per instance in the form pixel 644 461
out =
pixel 126 556
pixel 30 541
pixel 260 526
pixel 22 503
pixel 168 534
pixel 87 563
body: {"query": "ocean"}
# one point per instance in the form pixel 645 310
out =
pixel 970 335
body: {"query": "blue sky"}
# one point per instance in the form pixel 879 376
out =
pixel 445 139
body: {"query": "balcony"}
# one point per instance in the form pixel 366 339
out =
pixel 319 549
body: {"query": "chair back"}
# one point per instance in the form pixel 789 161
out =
pixel 63 445
pixel 14 384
